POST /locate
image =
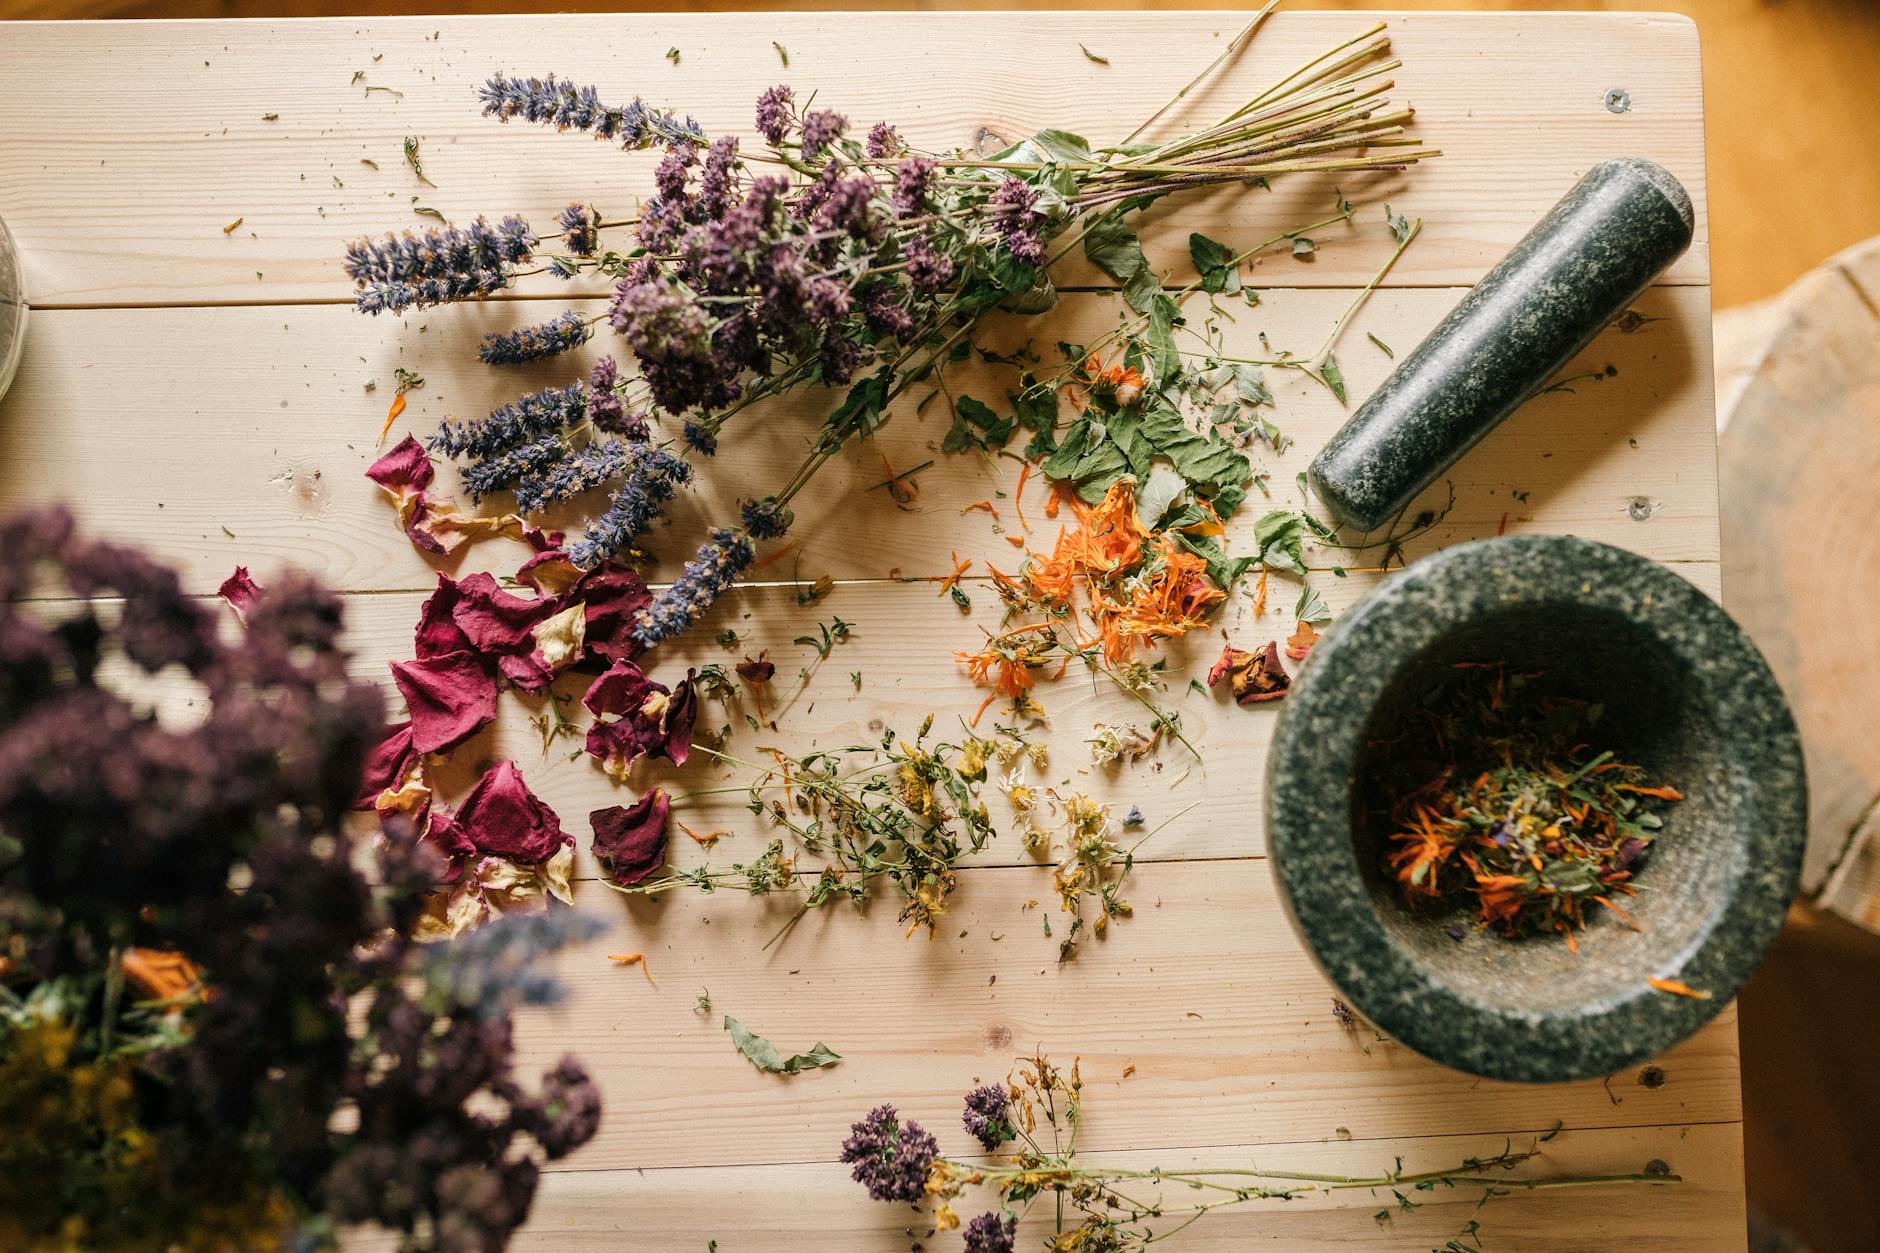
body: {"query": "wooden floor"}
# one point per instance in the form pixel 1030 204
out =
pixel 1790 95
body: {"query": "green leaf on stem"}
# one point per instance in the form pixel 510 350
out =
pixel 975 425
pixel 1214 262
pixel 1334 377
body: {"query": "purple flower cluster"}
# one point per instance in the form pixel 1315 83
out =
pixel 594 465
pixel 776 111
pixel 122 829
pixel 720 560
pixel 501 471
pixel 987 1116
pixel 581 229
pixel 564 106
pixel 991 1233
pixel 821 129
pixel 533 343
pixel 1014 207
pixel 883 142
pixel 890 1157
pixel 911 180
pixel 439 265
pixel 606 410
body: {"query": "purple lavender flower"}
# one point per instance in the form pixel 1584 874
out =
pixel 1014 207
pixel 532 343
pixel 716 180
pixel 775 109
pixel 581 229
pixel 820 129
pixel 547 412
pixel 911 180
pixel 886 313
pixel 673 337
pixel 393 297
pixel 766 519
pixel 568 107
pixel 927 270
pixel 719 562
pixel 987 1116
pixel 839 358
pixel 991 1233
pixel 595 465
pixel 700 437
pixel 847 208
pixel 443 264
pixel 652 475
pixel 1025 246
pixel 605 409
pixel 670 177
pixel 883 141
pixel 505 469
pixel 890 1157
pixel 570 1110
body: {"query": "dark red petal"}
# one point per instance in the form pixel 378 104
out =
pixel 497 621
pixel 451 839
pixel 387 765
pixel 404 471
pixel 622 740
pixel 676 744
pixel 528 673
pixel 759 669
pixel 240 591
pixel 630 842
pixel 503 818
pixel 1231 659
pixel 1264 679
pixel 418 529
pixel 622 689
pixel 451 698
pixel 612 594
pixel 438 632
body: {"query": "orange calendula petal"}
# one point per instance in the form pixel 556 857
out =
pixel 398 407
pixel 1678 987
pixel 634 959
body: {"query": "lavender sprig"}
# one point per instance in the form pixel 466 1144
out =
pixel 506 469
pixel 547 412
pixel 651 478
pixel 720 560
pixel 533 343
pixel 564 106
pixel 595 465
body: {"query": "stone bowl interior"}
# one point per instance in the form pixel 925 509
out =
pixel 1652 717
pixel 1686 695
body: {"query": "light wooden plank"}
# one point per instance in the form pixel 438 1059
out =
pixel 815 1207
pixel 1205 991
pixel 903 644
pixel 121 171
pixel 267 432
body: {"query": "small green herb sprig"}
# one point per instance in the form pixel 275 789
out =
pixel 900 811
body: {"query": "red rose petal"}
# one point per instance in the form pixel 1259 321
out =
pixel 682 711
pixel 527 673
pixel 451 698
pixel 503 818
pixel 240 591
pixel 612 594
pixel 496 621
pixel 621 741
pixel 387 765
pixel 405 471
pixel 438 633
pixel 622 689
pixel 630 842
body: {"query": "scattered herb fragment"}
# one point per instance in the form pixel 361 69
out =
pixel 230 228
pixel 411 159
pixel 1091 56
pixel 783 53
pixel 762 1054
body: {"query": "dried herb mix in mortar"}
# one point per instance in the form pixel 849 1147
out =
pixel 1500 802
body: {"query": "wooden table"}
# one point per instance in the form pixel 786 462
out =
pixel 201 391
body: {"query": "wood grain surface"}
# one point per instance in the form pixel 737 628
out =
pixel 203 393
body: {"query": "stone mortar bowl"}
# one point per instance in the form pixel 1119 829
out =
pixel 1687 696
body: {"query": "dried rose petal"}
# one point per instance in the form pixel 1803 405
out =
pixel 405 471
pixel 559 638
pixel 451 698
pixel 630 842
pixel 612 594
pixel 1253 676
pixel 437 632
pixel 1300 642
pixel 681 713
pixel 528 674
pixel 387 765
pixel 757 670
pixel 496 621
pixel 618 743
pixel 549 571
pixel 240 591
pixel 621 689
pixel 436 525
pixel 503 818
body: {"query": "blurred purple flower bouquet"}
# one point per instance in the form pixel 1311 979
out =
pixel 824 257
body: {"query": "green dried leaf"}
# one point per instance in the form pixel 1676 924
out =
pixel 1159 340
pixel 1059 145
pixel 762 1054
pixel 1214 262
pixel 1399 224
pixel 1280 537
pixel 783 53
pixel 1334 377
pixel 1209 463
pixel 1312 607
pixel 975 425
pixel 1091 56
pixel 1382 346
pixel 1303 247
pixel 1224 570
pixel 1112 245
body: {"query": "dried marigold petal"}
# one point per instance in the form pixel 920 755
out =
pixel 1677 987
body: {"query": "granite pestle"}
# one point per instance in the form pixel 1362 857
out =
pixel 1577 270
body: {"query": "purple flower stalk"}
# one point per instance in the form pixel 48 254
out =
pixel 652 475
pixel 382 296
pixel 581 229
pixel 567 107
pixel 890 1157
pixel 532 343
pixel 776 109
pixel 821 129
pixel 883 142
pixel 720 560
pixel 606 410
pixel 504 470
pixel 547 412
pixel 596 465
pixel 440 252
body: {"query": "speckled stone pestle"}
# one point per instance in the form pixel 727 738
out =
pixel 1574 272
pixel 1686 695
